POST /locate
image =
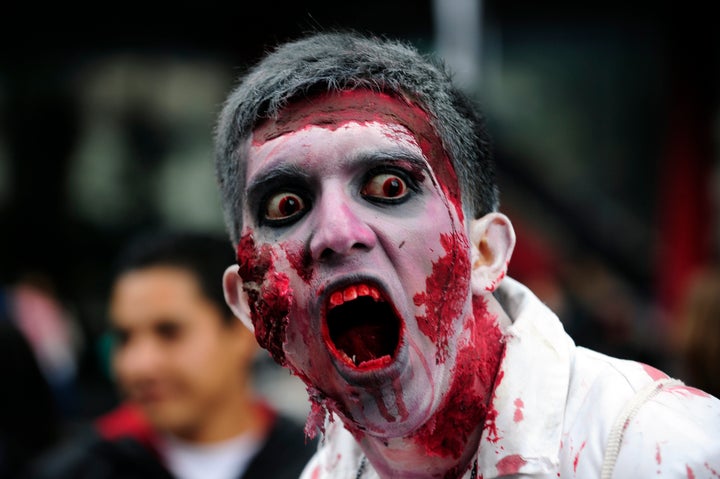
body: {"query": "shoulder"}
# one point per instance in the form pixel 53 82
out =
pixel 604 384
pixel 600 386
pixel 289 434
pixel 676 433
pixel 89 456
pixel 660 426
pixel 338 456
pixel 66 459
pixel 286 437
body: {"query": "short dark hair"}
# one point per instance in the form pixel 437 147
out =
pixel 204 255
pixel 346 61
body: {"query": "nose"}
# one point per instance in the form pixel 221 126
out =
pixel 339 231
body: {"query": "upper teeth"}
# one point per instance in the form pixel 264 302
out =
pixel 353 292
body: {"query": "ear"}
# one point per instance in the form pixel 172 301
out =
pixel 244 341
pixel 235 296
pixel 492 239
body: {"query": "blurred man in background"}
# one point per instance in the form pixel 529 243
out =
pixel 183 361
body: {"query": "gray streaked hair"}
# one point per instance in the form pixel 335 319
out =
pixel 326 62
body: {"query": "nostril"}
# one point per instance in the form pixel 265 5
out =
pixel 328 253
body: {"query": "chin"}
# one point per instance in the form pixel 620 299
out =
pixel 170 421
pixel 386 430
pixel 397 409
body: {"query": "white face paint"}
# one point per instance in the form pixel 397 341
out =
pixel 345 206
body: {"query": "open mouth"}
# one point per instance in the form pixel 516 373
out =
pixel 363 327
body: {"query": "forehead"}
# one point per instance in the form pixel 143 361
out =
pixel 153 291
pixel 317 150
pixel 332 110
pixel 336 108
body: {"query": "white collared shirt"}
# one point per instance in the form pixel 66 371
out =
pixel 559 408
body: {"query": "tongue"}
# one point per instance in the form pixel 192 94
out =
pixel 362 343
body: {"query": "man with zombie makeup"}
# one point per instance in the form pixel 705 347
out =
pixel 358 189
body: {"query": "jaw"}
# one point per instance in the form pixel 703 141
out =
pixel 380 380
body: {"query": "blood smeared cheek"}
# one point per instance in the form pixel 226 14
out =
pixel 446 288
pixel 300 260
pixel 466 407
pixel 303 338
pixel 269 295
pixel 446 293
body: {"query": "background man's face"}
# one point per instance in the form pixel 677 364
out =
pixel 174 356
pixel 351 221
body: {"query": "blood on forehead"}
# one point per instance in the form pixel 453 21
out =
pixel 333 109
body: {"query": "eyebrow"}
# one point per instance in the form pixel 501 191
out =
pixel 288 173
pixel 282 173
pixel 386 156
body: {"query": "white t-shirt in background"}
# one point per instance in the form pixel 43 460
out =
pixel 223 460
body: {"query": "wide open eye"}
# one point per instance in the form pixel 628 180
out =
pixel 385 186
pixel 284 206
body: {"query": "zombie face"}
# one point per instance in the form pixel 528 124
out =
pixel 354 262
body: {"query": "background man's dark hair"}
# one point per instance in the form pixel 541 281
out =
pixel 347 61
pixel 205 256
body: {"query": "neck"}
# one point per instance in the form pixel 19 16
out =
pixel 444 447
pixel 242 415
pixel 408 458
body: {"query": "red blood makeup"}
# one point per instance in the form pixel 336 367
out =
pixel 268 293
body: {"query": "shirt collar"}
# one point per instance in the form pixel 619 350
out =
pixel 524 425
